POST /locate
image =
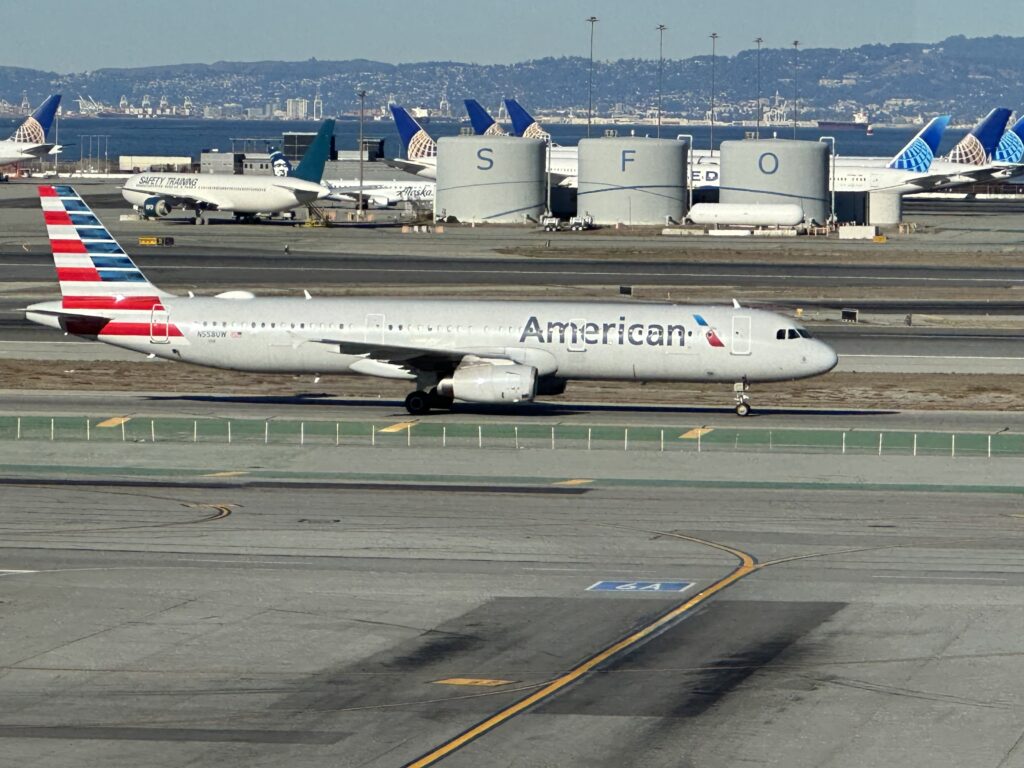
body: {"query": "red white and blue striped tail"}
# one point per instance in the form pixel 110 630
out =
pixel 93 270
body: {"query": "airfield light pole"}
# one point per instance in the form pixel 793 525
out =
pixel 758 40
pixel 796 93
pixel 661 68
pixel 362 102
pixel 714 41
pixel 592 20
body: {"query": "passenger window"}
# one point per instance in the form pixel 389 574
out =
pixel 263 325
pixel 780 334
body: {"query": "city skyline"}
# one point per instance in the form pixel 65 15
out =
pixel 81 37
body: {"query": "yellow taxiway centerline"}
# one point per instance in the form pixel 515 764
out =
pixel 747 565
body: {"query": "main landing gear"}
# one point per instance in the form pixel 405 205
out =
pixel 420 402
pixel 742 398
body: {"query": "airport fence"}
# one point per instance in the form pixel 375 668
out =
pixel 501 435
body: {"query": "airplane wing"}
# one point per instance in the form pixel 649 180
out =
pixel 991 173
pixel 410 166
pixel 412 358
pixel 38 150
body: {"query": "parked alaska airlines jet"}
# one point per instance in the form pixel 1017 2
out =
pixel 376 193
pixel 502 352
pixel 157 194
pixel 28 142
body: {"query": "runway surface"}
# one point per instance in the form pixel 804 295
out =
pixel 197 619
pixel 230 266
pixel 315 407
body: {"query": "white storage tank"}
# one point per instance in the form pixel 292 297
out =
pixel 777 171
pixel 495 179
pixel 632 180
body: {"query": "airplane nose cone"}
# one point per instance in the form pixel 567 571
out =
pixel 828 357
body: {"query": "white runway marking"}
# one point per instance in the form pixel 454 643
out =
pixel 579 273
pixel 942 578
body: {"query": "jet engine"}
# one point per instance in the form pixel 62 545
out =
pixel 156 207
pixel 490 383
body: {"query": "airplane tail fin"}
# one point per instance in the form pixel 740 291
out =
pixel 977 147
pixel 279 163
pixel 311 167
pixel 1011 145
pixel 417 141
pixel 483 123
pixel 93 270
pixel 523 123
pixel 919 153
pixel 36 127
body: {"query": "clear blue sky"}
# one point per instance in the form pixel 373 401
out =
pixel 79 35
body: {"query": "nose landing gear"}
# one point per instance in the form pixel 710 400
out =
pixel 742 398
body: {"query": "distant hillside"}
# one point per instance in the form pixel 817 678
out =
pixel 962 76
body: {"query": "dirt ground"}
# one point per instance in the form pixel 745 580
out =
pixel 835 390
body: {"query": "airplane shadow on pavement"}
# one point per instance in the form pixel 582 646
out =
pixel 527 410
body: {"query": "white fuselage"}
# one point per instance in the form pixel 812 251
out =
pixel 382 194
pixel 570 340
pixel 223 191
pixel 12 152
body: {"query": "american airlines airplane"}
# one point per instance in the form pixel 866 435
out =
pixel 28 142
pixel 501 352
pixel 158 194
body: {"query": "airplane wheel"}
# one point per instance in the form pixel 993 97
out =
pixel 417 403
pixel 742 409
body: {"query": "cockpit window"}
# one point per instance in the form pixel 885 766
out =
pixel 804 333
pixel 780 334
pixel 793 334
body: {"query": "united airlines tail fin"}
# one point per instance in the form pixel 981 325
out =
pixel 922 149
pixel 979 146
pixel 417 142
pixel 1011 145
pixel 483 123
pixel 311 167
pixel 93 270
pixel 523 123
pixel 36 127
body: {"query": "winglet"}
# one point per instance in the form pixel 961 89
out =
pixel 311 167
pixel 918 154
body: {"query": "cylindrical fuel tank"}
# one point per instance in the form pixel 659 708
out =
pixel 632 180
pixel 775 171
pixel 497 179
